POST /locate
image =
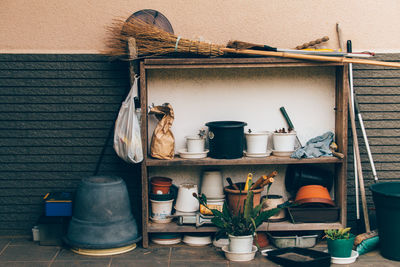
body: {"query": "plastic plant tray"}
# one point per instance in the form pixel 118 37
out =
pixel 299 257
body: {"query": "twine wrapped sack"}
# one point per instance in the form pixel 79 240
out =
pixel 163 142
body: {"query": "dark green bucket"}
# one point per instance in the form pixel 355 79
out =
pixel 387 203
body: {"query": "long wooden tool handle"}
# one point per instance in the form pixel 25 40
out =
pixel 359 168
pixel 258 182
pixel 311 57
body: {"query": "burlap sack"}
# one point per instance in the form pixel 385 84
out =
pixel 163 141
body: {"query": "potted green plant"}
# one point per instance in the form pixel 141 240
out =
pixel 340 242
pixel 240 227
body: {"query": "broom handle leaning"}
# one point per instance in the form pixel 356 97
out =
pixel 311 57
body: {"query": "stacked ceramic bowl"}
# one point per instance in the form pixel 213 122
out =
pixel 161 199
pixel 212 186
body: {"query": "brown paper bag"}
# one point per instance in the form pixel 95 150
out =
pixel 163 141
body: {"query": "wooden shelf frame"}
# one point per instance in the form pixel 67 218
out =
pixel 341 125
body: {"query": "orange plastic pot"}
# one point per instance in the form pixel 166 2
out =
pixel 313 194
pixel 160 185
pixel 236 198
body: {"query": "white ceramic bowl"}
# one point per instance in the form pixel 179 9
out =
pixel 197 240
pixel 351 259
pixel 234 256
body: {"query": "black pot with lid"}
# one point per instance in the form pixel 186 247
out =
pixel 226 139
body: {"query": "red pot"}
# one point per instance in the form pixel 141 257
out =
pixel 160 185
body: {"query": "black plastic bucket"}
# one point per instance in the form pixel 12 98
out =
pixel 226 139
pixel 387 203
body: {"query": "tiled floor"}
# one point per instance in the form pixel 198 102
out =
pixel 22 252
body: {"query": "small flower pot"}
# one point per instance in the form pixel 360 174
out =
pixel 284 141
pixel 160 210
pixel 341 248
pixel 257 142
pixel 160 185
pixel 195 144
pixel 240 244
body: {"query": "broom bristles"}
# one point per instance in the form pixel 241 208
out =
pixel 151 40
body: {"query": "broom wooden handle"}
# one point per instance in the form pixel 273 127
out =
pixel 311 57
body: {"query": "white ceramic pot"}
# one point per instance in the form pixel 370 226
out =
pixel 185 201
pixel 212 185
pixel 257 142
pixel 240 244
pixel 195 144
pixel 160 210
pixel 271 202
pixel 284 141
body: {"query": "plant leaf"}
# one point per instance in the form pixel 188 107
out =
pixel 248 206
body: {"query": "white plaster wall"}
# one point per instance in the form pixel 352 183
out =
pixel 250 95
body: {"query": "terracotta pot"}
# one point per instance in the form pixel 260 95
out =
pixel 160 185
pixel 236 196
pixel 313 194
pixel 262 239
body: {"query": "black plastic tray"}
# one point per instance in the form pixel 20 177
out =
pixel 299 257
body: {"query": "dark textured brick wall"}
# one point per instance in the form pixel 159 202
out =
pixel 56 112
pixel 378 93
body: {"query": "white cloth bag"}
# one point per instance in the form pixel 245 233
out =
pixel 127 140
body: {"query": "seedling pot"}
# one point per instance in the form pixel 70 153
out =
pixel 257 142
pixel 195 144
pixel 284 141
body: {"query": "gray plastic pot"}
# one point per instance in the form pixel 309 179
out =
pixel 102 216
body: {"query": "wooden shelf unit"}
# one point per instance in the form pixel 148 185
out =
pixel 341 111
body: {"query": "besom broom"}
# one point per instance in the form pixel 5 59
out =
pixel 152 41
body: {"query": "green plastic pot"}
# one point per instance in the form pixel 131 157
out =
pixel 341 248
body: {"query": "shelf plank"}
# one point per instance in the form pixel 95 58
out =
pixel 276 226
pixel 177 161
pixel 222 62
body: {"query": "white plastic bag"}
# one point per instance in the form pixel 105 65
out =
pixel 127 140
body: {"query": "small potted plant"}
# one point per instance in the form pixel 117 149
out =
pixel 340 242
pixel 195 143
pixel 256 142
pixel 284 141
pixel 241 227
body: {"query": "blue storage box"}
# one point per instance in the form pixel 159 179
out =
pixel 58 204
